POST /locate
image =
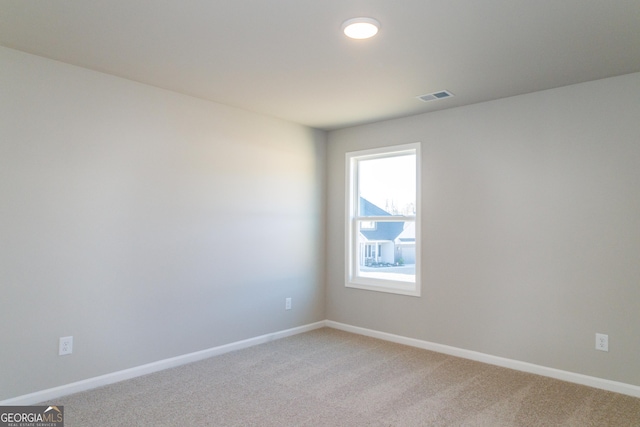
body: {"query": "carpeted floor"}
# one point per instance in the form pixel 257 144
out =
pixel 328 377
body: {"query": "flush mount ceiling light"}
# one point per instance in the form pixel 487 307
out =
pixel 360 28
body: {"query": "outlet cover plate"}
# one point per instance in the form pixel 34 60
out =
pixel 602 342
pixel 65 346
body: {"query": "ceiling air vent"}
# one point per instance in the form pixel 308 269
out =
pixel 435 96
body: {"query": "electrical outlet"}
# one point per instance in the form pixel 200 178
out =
pixel 65 346
pixel 602 342
pixel 287 304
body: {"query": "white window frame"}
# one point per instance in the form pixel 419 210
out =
pixel 353 278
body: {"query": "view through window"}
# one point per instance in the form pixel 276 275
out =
pixel 383 220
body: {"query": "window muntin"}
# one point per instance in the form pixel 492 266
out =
pixel 383 220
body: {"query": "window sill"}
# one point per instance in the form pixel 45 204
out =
pixel 388 286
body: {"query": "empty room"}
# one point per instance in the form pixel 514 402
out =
pixel 320 213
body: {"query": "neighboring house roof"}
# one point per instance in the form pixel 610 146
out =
pixel 408 235
pixel 384 230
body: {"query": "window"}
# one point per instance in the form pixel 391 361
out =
pixel 383 220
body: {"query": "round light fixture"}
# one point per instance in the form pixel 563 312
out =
pixel 360 28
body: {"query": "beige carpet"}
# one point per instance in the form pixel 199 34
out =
pixel 332 378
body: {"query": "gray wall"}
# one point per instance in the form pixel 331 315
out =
pixel 530 228
pixel 123 206
pixel 145 223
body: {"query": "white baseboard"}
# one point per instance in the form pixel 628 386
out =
pixel 90 383
pixel 617 387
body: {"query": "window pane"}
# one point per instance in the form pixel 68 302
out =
pixel 388 251
pixel 383 215
pixel 387 186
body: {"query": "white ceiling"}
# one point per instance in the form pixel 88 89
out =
pixel 288 58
